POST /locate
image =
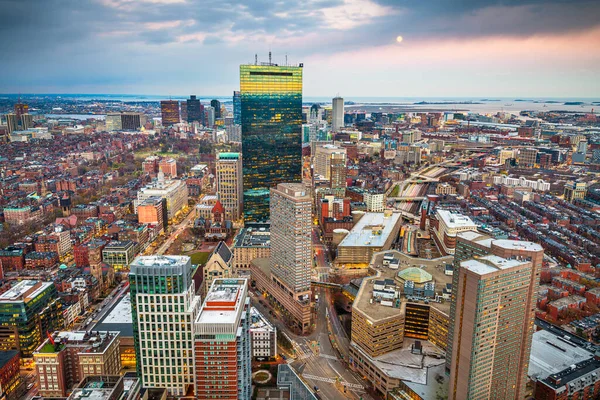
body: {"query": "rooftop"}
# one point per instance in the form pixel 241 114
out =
pixel 454 220
pixel 551 354
pixel 258 321
pixel 223 305
pixel 490 264
pixel 254 235
pixel 25 290
pixel 119 318
pixel 372 230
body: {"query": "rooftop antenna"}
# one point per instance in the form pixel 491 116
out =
pixel 286 60
pixel 255 59
pixel 269 57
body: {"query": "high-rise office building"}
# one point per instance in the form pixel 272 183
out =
pixel 12 122
pixel 490 326
pixel 20 109
pixel 164 307
pixel 209 116
pixel 222 342
pixel 337 117
pixel 330 158
pixel 28 310
pixel 291 242
pixel 183 116
pixel 230 184
pixel 271 132
pixel 195 110
pixel 169 110
pixel 216 104
pixel 237 107
pixel 475 246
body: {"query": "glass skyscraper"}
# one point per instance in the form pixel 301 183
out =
pixel 237 107
pixel 271 132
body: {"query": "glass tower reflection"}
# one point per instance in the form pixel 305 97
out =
pixel 271 117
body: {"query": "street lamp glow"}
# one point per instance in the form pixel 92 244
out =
pixel 399 39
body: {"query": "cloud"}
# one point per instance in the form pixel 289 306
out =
pixel 82 41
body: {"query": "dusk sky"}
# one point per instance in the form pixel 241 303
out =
pixel 464 48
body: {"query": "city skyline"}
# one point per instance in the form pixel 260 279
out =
pixel 479 48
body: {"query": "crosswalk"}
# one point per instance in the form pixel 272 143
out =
pixel 333 380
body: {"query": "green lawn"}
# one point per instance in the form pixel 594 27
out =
pixel 395 191
pixel 199 257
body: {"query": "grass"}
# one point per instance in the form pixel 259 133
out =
pixel 395 191
pixel 148 152
pixel 199 257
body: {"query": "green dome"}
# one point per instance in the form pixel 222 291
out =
pixel 415 274
pixel 62 266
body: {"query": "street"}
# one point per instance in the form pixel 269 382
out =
pixel 316 359
pixel 176 231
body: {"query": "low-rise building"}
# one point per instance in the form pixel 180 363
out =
pixel 449 224
pixel 119 254
pixel 263 336
pixel 67 357
pixel 10 376
pixel 252 242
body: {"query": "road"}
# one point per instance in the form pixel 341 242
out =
pixel 316 359
pixel 176 231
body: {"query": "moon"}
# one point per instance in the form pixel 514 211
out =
pixel 399 39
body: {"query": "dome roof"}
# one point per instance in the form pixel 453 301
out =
pixel 415 274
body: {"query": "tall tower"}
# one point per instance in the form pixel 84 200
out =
pixel 169 110
pixel 195 111
pixel 488 322
pixel 517 303
pixel 216 104
pixel 337 117
pixel 230 184
pixel 291 241
pixel 222 342
pixel 237 107
pixel 271 132
pixel 164 307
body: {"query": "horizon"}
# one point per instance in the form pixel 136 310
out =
pixel 528 48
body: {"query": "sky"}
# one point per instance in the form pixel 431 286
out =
pixel 466 48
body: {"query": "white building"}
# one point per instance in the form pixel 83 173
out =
pixel 449 225
pixel 539 184
pixel 263 336
pixel 230 184
pixel 337 116
pixel 375 201
pixel 175 192
pixel 325 155
pixel 164 307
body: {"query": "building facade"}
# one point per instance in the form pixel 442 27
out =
pixel 169 110
pixel 222 342
pixel 175 193
pixel 271 118
pixel 489 329
pixel 230 184
pixel 164 307
pixel 337 115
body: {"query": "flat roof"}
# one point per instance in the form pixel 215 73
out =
pixel 17 292
pixel 551 354
pixel 361 235
pixel 403 364
pixel 254 236
pixel 223 302
pixel 119 318
pixel 490 264
pixel 376 311
pixel 454 220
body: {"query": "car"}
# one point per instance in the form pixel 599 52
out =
pixel 29 386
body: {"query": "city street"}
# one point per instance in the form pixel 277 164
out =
pixel 316 359
pixel 176 231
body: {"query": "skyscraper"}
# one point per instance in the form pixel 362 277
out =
pixel 216 104
pixel 516 341
pixel 489 321
pixel 222 342
pixel 195 110
pixel 20 109
pixel 271 132
pixel 237 107
pixel 170 112
pixel 330 160
pixel 337 117
pixel 291 241
pixel 229 184
pixel 164 307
